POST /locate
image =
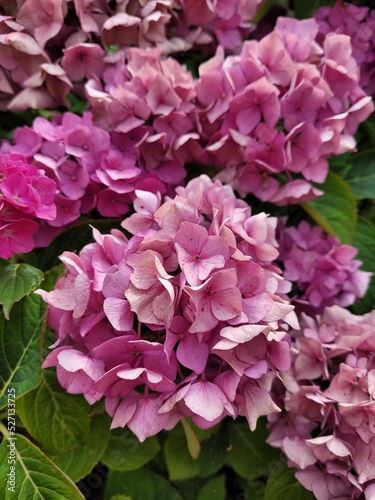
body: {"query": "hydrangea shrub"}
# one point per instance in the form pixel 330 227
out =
pixel 186 249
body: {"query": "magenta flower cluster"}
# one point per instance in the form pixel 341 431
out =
pixel 359 24
pixel 327 427
pixel 46 46
pixel 92 168
pixel 186 318
pixel 279 109
pixel 323 271
pixel 27 197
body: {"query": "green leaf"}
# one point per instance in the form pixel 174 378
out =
pixel 140 485
pixel 254 488
pixel 189 488
pixel 250 456
pixel 361 175
pixel 120 497
pixel 20 356
pixel 36 477
pixel 213 490
pixel 57 420
pixel 364 239
pixel 214 453
pixel 181 465
pixel 17 281
pixel 336 210
pixel 124 452
pixel 179 462
pixel 303 9
pixel 282 485
pixel 79 462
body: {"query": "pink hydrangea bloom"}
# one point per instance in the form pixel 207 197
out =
pixel 27 197
pixel 91 167
pixel 34 34
pixel 359 24
pixel 272 115
pixel 326 429
pixel 324 271
pixel 178 315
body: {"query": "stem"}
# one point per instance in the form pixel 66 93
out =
pixel 4 431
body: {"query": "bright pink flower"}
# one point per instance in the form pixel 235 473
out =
pixel 83 61
pixel 17 237
pixel 77 372
pixel 207 400
pixel 217 299
pixel 257 102
pixel 198 253
pixel 151 293
pixel 142 416
pixel 73 180
pixel 17 191
pixel 190 352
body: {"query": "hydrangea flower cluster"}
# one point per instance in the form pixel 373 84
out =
pixel 92 168
pixel 151 98
pixel 47 47
pixel 323 270
pixel 327 426
pixel 272 115
pixel 27 196
pixel 188 317
pixel 359 24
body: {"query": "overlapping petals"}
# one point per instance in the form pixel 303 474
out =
pixel 27 197
pixel 272 115
pixel 179 320
pixel 326 429
pixel 324 271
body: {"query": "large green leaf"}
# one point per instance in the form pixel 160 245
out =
pixel 140 484
pixel 57 420
pixel 336 210
pixel 282 485
pixel 364 240
pixel 189 488
pixel 79 462
pixel 36 477
pixel 254 488
pixel 213 490
pixel 124 452
pixel 179 462
pixel 214 453
pixel 20 356
pixel 17 281
pixel 250 456
pixel 361 175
